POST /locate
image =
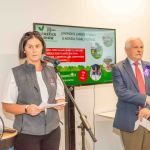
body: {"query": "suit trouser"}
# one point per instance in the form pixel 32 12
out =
pixel 42 142
pixel 137 140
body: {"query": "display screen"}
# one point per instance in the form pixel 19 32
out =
pixel 86 54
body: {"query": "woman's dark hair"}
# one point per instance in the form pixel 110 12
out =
pixel 27 36
pixel 95 66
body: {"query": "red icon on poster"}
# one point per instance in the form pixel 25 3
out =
pixel 82 75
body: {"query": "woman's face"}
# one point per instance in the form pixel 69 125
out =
pixel 33 50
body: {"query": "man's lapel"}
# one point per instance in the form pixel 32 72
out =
pixel 130 72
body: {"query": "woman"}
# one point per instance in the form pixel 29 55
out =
pixel 95 72
pixel 32 84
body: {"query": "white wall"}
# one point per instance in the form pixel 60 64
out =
pixel 129 18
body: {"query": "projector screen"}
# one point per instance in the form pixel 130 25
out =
pixel 86 54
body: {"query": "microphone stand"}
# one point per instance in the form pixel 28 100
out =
pixel 84 123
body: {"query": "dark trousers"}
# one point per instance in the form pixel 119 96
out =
pixel 38 142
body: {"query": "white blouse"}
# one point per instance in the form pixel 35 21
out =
pixel 10 93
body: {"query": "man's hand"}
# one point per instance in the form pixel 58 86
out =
pixel 144 113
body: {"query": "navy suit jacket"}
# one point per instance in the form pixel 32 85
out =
pixel 129 98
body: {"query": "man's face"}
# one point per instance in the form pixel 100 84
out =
pixel 135 51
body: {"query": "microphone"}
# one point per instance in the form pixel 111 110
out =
pixel 50 59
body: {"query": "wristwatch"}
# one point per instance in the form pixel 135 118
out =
pixel 26 107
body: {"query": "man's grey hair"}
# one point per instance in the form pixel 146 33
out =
pixel 129 41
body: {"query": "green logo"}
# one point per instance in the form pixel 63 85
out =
pixel 41 28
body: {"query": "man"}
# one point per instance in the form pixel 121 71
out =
pixel 132 86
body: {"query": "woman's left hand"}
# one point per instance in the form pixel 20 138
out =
pixel 33 110
pixel 60 107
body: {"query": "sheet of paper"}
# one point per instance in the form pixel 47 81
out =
pixel 144 123
pixel 45 105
